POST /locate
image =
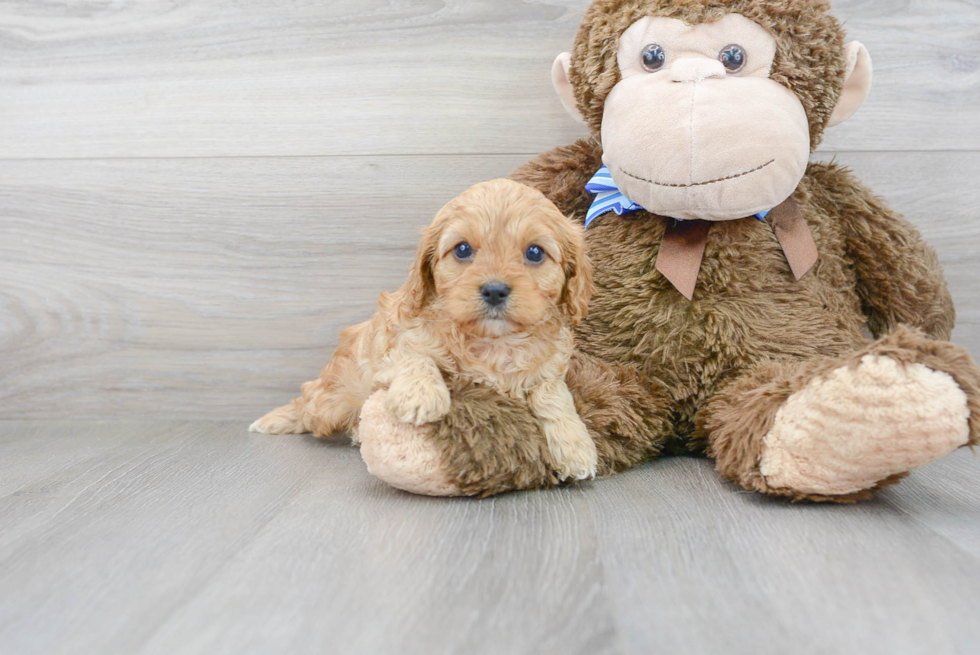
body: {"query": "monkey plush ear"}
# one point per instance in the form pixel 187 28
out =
pixel 856 86
pixel 559 76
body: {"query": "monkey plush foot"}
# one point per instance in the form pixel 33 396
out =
pixel 839 428
pixel 857 426
pixel 400 453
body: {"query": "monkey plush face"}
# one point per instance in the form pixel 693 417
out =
pixel 693 121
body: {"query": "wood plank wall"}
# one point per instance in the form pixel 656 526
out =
pixel 195 197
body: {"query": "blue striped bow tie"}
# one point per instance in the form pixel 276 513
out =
pixel 610 199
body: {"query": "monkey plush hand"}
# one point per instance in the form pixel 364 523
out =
pixel 736 280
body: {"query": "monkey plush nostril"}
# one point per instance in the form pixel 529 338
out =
pixel 495 293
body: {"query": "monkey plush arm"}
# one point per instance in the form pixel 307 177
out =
pixel 561 175
pixel 899 280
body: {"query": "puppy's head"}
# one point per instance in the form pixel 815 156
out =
pixel 501 259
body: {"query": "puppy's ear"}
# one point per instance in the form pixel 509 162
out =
pixel 578 274
pixel 421 284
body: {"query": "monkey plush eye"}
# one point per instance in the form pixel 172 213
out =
pixel 733 58
pixel 653 58
pixel 534 254
pixel 463 252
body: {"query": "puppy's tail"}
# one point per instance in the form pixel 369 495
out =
pixel 284 420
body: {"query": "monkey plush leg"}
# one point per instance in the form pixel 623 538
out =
pixel 837 429
pixel 488 444
pixel 628 416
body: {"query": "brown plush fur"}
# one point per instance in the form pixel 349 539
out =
pixel 492 444
pixel 657 372
pixel 748 313
pixel 626 414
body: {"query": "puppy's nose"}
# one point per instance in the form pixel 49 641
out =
pixel 495 293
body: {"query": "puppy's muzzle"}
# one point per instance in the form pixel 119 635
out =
pixel 495 293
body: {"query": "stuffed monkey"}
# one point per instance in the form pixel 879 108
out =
pixel 736 282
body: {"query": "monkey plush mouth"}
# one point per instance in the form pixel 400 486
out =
pixel 686 186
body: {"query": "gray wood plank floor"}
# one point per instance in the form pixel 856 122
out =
pixel 197 537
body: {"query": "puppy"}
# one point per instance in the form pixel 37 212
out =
pixel 499 279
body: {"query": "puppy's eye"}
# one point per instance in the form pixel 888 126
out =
pixel 463 252
pixel 534 254
pixel 732 58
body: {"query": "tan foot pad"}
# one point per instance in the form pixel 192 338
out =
pixel 400 453
pixel 849 430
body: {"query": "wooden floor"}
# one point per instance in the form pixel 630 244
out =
pixel 196 537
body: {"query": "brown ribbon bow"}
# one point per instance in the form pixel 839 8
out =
pixel 682 248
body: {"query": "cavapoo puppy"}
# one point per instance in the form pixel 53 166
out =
pixel 500 278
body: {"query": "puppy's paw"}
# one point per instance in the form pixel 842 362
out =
pixel 416 402
pixel 573 450
pixel 580 466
